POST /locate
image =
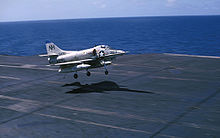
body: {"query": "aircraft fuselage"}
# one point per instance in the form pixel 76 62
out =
pixel 73 61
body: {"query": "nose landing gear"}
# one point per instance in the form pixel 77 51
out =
pixel 106 71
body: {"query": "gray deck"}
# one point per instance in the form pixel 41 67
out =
pixel 151 95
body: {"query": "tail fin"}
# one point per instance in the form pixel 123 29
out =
pixel 52 49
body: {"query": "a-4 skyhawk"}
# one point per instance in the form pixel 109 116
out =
pixel 73 61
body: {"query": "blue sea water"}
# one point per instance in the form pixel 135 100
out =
pixel 196 35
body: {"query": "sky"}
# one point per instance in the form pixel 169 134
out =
pixel 22 10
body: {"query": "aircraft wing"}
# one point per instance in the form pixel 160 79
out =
pixel 74 62
pixel 46 55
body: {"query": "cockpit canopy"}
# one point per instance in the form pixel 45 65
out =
pixel 103 46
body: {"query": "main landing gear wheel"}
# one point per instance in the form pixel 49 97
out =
pixel 106 72
pixel 75 76
pixel 88 73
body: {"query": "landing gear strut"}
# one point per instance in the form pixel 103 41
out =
pixel 88 73
pixel 75 76
pixel 106 71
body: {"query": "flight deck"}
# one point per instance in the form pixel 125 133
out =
pixel 148 95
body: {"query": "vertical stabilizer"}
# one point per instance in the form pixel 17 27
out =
pixel 52 49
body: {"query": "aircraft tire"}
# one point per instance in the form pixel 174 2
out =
pixel 106 72
pixel 75 76
pixel 88 73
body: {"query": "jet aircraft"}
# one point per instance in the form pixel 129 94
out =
pixel 73 61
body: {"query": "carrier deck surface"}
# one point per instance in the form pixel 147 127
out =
pixel 150 95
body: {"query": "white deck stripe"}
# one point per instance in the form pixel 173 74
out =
pixel 102 112
pixel 93 123
pixel 172 78
pixel 185 55
pixel 89 110
pixel 88 122
pixel 18 99
pixel 82 121
pixel 27 67
pixel 8 77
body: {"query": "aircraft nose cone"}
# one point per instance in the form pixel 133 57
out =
pixel 121 52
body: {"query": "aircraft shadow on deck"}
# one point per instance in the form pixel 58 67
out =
pixel 100 87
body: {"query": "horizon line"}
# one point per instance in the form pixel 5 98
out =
pixel 35 20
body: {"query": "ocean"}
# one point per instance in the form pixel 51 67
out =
pixel 194 35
